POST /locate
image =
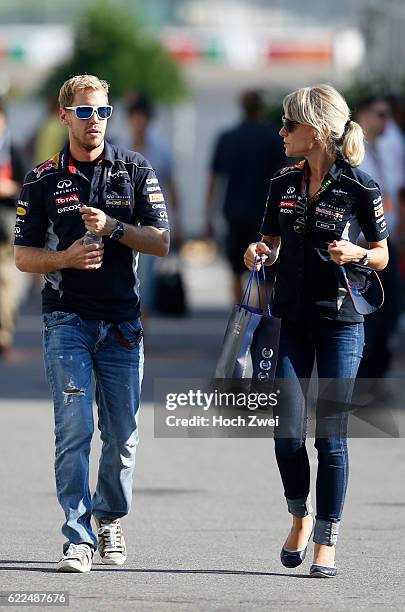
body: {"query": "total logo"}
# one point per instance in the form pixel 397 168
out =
pixel 74 197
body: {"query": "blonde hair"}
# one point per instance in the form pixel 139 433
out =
pixel 74 84
pixel 325 109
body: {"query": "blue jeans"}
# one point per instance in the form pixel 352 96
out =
pixel 73 349
pixel 337 347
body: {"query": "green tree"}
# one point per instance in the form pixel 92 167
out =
pixel 114 45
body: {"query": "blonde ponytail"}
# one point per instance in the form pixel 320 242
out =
pixel 353 143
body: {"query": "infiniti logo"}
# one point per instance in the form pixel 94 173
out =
pixel 63 184
pixel 290 190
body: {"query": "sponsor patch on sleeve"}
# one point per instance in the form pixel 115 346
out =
pixel 50 163
pixel 22 208
pixel 156 197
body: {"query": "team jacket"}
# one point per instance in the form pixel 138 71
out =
pixel 126 188
pixel 306 285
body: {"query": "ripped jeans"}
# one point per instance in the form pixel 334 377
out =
pixel 75 348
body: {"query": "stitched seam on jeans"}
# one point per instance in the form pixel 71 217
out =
pixel 343 423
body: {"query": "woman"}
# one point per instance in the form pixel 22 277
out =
pixel 315 212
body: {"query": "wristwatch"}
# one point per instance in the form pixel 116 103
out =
pixel 364 260
pixel 118 231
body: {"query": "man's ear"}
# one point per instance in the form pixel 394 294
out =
pixel 63 116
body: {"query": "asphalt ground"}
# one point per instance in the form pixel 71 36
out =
pixel 209 518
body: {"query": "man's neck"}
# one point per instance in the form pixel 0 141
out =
pixel 81 154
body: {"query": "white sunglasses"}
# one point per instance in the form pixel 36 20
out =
pixel 84 112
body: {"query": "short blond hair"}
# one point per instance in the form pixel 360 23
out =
pixel 325 109
pixel 76 83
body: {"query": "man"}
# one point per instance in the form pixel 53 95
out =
pixel 11 178
pixel 385 166
pixel 91 310
pixel 245 157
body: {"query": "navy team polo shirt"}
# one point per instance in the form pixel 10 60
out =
pixel 126 188
pixel 306 285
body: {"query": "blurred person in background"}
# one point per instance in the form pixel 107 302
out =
pixel 51 134
pixel 384 160
pixel 319 204
pixel 244 159
pixel 146 141
pixel 91 311
pixel 11 179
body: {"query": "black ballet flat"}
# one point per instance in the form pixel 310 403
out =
pixel 320 571
pixel 294 558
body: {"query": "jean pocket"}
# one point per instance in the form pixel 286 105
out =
pixel 129 333
pixel 58 317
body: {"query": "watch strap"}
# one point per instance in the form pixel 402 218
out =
pixel 118 231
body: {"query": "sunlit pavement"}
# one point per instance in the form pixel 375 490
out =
pixel 208 518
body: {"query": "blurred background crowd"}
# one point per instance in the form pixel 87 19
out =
pixel 197 87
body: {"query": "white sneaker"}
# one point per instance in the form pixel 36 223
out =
pixel 77 558
pixel 111 543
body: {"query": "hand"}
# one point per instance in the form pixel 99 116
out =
pixel 254 249
pixel 8 188
pixel 343 252
pixel 84 256
pixel 97 222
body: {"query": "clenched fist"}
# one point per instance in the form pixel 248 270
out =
pixel 258 250
pixel 96 221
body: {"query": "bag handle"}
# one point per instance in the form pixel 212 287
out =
pixel 265 288
pixel 254 275
pixel 246 296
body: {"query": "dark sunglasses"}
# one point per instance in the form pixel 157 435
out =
pixel 86 112
pixel 288 124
